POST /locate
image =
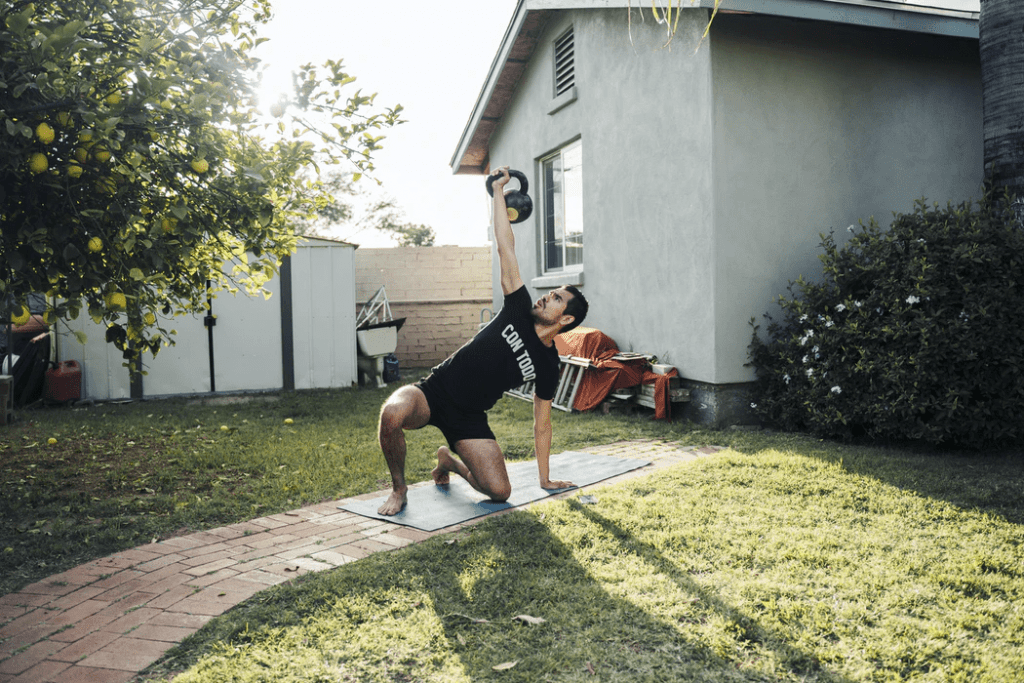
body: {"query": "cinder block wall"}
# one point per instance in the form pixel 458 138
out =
pixel 441 292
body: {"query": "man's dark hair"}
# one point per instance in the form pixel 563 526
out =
pixel 577 307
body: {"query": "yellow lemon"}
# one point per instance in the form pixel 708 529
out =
pixel 44 133
pixel 289 421
pixel 95 245
pixel 37 163
pixel 101 154
pixel 85 136
pixel 225 428
pixel 113 98
pixel 149 318
pixel 167 225
pixel 81 155
pixel 166 105
pixel 23 316
pixel 51 441
pixel 200 165
pixel 74 170
pixel 116 301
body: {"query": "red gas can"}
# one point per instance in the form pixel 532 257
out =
pixel 64 382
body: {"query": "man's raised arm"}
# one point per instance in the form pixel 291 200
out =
pixel 505 240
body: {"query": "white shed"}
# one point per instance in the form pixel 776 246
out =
pixel 302 337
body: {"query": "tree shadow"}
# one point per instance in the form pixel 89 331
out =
pixel 535 573
pixel 474 584
pixel 990 482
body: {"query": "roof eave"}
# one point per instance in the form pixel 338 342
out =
pixel 523 33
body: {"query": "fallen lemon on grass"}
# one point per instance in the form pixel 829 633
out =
pixel 45 133
pixel 37 163
pixel 289 421
pixel 95 245
pixel 51 441
pixel 200 165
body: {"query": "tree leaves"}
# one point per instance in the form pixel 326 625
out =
pixel 133 91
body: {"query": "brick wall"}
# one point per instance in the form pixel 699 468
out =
pixel 440 291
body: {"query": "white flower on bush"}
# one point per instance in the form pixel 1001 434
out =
pixel 840 308
pixel 806 358
pixel 913 300
pixel 754 406
pixel 815 349
pixel 857 304
pixel 803 318
pixel 849 228
pixel 964 316
pixel 836 390
pixel 829 323
pixel 810 372
pixel 786 378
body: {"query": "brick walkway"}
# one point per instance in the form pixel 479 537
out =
pixel 107 620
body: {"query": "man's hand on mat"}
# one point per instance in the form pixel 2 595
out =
pixel 551 484
pixel 393 505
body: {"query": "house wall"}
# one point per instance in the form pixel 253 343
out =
pixel 710 173
pixel 644 117
pixel 441 291
pixel 816 127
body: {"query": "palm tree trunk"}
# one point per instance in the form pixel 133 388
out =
pixel 1002 72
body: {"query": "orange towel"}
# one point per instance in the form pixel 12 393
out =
pixel 606 375
pixel 662 404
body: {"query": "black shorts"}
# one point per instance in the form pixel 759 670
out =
pixel 455 423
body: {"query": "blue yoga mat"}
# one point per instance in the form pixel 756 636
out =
pixel 433 507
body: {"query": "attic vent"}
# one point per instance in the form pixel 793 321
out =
pixel 565 58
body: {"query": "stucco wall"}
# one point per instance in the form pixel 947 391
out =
pixel 644 117
pixel 709 175
pixel 818 126
pixel 439 290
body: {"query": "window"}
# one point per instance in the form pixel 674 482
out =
pixel 563 209
pixel 565 59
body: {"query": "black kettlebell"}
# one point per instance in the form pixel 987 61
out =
pixel 518 203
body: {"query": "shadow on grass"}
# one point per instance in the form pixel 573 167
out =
pixel 447 609
pixel 749 633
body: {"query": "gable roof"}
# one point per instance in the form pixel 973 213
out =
pixel 942 17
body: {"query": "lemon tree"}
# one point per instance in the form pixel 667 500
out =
pixel 135 167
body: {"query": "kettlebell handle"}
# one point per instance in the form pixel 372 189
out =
pixel 524 185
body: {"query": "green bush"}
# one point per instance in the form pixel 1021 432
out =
pixel 912 334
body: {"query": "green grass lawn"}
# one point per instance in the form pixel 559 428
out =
pixel 783 559
pixel 120 475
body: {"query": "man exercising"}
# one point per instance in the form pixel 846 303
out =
pixel 515 347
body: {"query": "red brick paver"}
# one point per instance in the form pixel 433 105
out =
pixel 107 620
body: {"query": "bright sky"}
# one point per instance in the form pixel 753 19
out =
pixel 430 57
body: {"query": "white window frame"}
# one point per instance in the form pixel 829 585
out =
pixel 557 211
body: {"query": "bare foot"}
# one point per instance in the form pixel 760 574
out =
pixel 445 464
pixel 393 505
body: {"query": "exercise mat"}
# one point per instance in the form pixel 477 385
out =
pixel 431 507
